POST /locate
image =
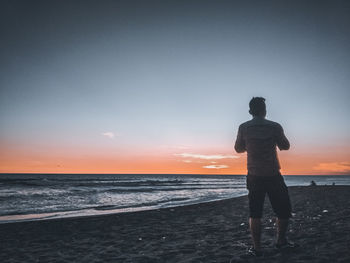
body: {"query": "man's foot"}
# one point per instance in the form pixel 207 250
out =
pixel 286 245
pixel 254 252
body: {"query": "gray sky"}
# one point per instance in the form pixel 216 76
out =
pixel 172 72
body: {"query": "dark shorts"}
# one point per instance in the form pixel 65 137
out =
pixel 277 191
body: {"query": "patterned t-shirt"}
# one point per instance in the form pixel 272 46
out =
pixel 259 137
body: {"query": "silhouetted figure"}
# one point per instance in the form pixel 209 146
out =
pixel 312 183
pixel 259 137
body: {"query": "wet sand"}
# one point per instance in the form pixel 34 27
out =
pixel 209 232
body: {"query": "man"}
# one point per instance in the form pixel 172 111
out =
pixel 259 137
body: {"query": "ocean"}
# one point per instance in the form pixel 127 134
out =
pixel 46 196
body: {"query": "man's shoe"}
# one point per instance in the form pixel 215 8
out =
pixel 254 253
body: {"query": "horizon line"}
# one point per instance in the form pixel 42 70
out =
pixel 176 174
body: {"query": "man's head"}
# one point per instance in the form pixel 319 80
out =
pixel 257 107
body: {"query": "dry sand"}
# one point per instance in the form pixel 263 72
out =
pixel 210 232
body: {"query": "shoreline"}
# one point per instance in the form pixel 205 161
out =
pixel 215 231
pixel 107 213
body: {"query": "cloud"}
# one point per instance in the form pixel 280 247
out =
pixel 206 156
pixel 216 166
pixel 187 161
pixel 333 167
pixel 110 135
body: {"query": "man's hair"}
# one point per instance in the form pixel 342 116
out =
pixel 257 106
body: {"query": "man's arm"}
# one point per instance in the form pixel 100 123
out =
pixel 282 141
pixel 240 143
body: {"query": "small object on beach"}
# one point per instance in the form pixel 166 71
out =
pixel 294 214
pixel 163 237
pixel 140 238
pixel 172 210
pixel 242 224
pixel 325 211
pixel 270 220
pixel 312 183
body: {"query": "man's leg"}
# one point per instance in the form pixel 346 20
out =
pixel 256 197
pixel 279 198
pixel 282 226
pixel 255 230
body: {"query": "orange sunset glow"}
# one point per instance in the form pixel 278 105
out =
pixel 173 160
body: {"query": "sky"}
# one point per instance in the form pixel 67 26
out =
pixel 162 86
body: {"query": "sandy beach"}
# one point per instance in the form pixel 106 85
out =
pixel 208 232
